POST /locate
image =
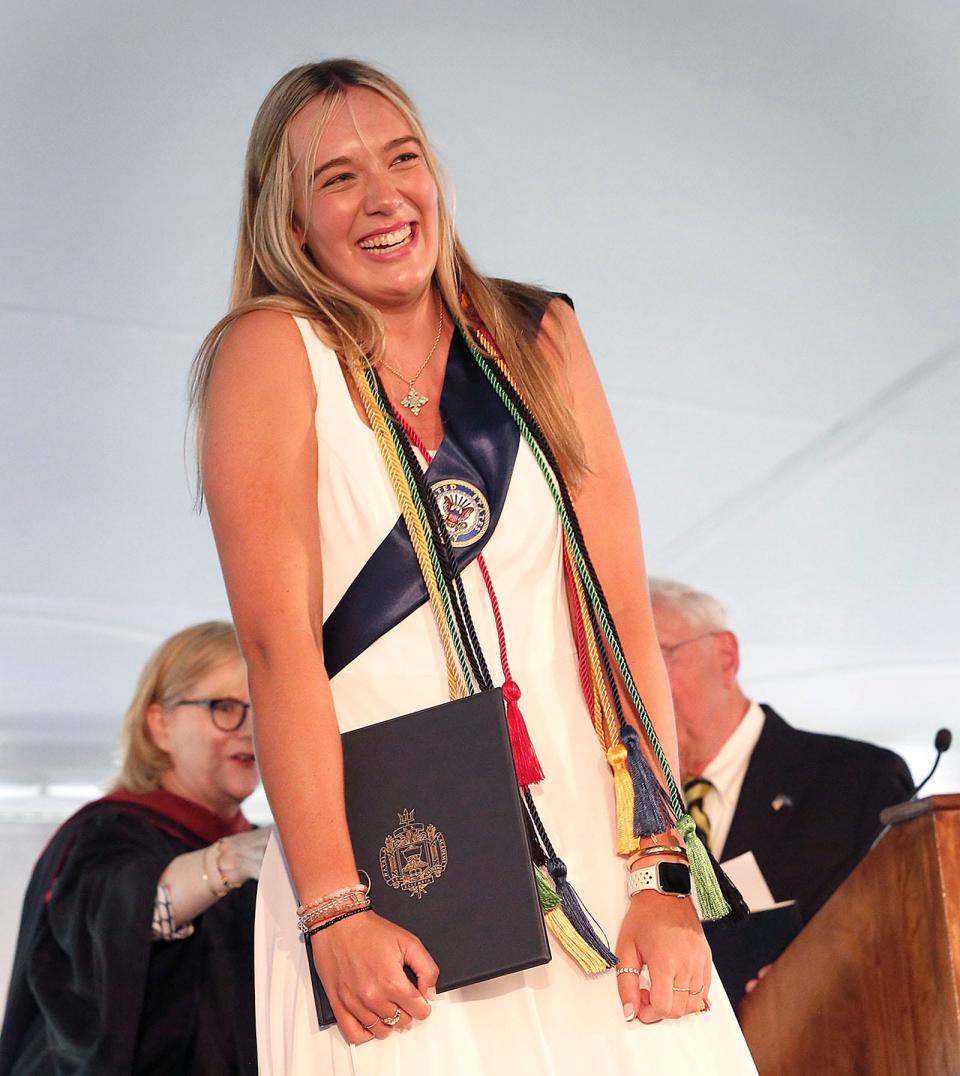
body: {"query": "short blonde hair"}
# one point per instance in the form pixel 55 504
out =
pixel 172 670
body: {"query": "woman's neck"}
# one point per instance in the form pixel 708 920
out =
pixel 411 331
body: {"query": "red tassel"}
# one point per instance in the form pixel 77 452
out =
pixel 529 771
pixel 525 758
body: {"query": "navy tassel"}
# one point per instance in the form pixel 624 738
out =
pixel 575 911
pixel 648 814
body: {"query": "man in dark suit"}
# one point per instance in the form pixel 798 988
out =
pixel 807 805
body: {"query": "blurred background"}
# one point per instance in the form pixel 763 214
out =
pixel 754 206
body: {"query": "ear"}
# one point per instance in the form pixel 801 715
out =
pixel 728 649
pixel 157 726
pixel 298 233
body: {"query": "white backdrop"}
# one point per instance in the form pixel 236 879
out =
pixel 754 206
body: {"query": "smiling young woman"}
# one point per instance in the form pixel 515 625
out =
pixel 395 335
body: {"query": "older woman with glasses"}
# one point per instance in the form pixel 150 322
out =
pixel 135 947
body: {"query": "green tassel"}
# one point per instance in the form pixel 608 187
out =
pixel 549 898
pixel 709 895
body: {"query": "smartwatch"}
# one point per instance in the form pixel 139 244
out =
pixel 670 878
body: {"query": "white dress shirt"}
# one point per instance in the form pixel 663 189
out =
pixel 726 772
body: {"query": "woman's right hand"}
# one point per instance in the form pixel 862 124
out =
pixel 360 961
pixel 242 853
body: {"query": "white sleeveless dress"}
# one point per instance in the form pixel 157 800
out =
pixel 553 1020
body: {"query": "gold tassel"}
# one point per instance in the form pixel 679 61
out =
pixel 562 929
pixel 623 796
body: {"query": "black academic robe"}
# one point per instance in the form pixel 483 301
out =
pixel 91 992
pixel 809 808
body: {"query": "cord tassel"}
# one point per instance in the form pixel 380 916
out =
pixel 739 912
pixel 648 814
pixel 572 944
pixel 525 761
pixel 623 798
pixel 561 928
pixel 577 914
pixel 709 894
pixel 529 771
pixel 549 898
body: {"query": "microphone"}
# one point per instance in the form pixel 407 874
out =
pixel 941 743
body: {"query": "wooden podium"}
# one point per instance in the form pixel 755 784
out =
pixel 871 987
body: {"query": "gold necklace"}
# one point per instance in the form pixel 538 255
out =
pixel 414 400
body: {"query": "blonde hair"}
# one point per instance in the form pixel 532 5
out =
pixel 273 271
pixel 172 670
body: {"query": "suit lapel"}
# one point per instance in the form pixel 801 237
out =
pixel 767 778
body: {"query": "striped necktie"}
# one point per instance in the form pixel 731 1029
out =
pixel 694 792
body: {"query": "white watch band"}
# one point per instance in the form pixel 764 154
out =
pixel 640 879
pixel 646 878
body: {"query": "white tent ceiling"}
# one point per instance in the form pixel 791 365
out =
pixel 754 206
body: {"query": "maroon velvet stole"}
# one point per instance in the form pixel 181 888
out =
pixel 204 823
pixel 180 818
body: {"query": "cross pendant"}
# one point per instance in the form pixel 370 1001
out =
pixel 413 400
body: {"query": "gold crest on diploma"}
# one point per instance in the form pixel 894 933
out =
pixel 414 856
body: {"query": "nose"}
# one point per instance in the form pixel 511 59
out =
pixel 381 195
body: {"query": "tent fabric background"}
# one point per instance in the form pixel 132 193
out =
pixel 753 205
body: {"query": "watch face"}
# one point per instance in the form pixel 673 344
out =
pixel 674 878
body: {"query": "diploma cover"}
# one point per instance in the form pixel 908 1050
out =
pixel 436 821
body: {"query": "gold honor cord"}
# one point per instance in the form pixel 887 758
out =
pixel 713 903
pixel 458 676
pixel 615 751
pixel 593 958
pixel 564 913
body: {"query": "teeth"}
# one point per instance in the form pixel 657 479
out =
pixel 387 239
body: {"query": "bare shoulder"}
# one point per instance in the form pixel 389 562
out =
pixel 261 399
pixel 559 327
pixel 259 350
pixel 562 343
pixel 560 314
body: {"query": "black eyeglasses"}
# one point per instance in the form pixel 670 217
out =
pixel 227 714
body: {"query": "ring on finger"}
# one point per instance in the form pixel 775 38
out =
pixel 682 989
pixel 699 990
pixel 367 1027
pixel 392 1021
pixel 628 971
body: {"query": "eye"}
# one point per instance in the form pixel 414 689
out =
pixel 337 180
pixel 406 157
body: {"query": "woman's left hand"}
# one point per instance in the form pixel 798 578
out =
pixel 663 932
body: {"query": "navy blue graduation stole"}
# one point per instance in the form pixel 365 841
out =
pixel 470 476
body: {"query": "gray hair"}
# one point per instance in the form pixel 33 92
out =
pixel 701 611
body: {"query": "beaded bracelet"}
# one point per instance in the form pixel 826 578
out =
pixel 307 934
pixel 337 894
pixel 327 911
pixel 330 898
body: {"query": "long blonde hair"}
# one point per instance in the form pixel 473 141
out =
pixel 271 270
pixel 171 671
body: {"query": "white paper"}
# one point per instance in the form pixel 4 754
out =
pixel 745 873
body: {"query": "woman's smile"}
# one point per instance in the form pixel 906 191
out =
pixel 389 241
